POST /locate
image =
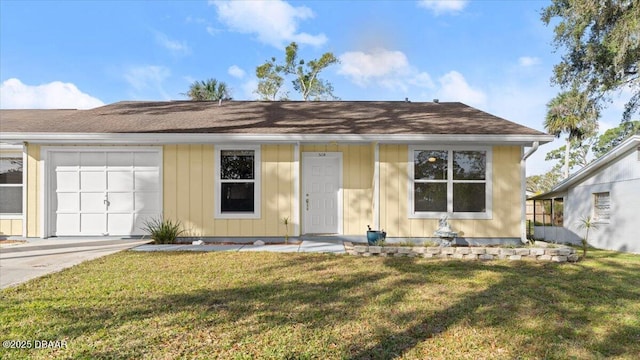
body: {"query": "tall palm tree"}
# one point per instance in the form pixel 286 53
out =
pixel 573 113
pixel 209 89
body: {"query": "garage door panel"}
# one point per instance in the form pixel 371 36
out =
pixel 68 224
pixel 139 221
pixel 147 202
pixel 120 180
pixel 64 159
pixel 91 158
pixel 92 202
pixel 120 224
pixel 119 159
pixel 146 159
pixel 67 180
pixel 92 180
pixel 68 202
pixel 147 180
pixel 129 179
pixel 119 202
pixel 92 224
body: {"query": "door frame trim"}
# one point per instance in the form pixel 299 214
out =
pixel 323 154
pixel 46 183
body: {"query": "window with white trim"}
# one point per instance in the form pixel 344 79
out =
pixel 601 207
pixel 450 180
pixel 11 184
pixel 237 179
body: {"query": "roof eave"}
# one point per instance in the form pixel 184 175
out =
pixel 581 174
pixel 200 138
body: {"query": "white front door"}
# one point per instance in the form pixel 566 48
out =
pixel 322 192
pixel 104 192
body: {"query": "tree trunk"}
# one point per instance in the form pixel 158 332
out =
pixel 566 158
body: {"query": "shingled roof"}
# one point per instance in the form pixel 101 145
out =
pixel 256 117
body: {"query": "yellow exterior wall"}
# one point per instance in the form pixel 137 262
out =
pixel 357 184
pixel 34 179
pixel 10 227
pixel 189 194
pixel 394 201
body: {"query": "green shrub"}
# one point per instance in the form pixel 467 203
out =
pixel 163 231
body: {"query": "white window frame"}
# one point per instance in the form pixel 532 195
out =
pixel 20 155
pixel 256 181
pixel 596 214
pixel 487 214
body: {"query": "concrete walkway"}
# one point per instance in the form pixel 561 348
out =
pixel 304 246
pixel 22 262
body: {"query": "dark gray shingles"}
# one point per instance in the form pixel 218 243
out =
pixel 241 117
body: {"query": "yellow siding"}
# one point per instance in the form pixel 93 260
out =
pixel 394 199
pixel 189 191
pixel 357 184
pixel 10 227
pixel 393 190
pixel 34 178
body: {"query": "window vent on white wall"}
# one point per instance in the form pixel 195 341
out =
pixel 601 207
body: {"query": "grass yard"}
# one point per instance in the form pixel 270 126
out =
pixel 315 306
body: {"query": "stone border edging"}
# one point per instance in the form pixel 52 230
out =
pixel 560 255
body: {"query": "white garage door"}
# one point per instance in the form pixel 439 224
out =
pixel 104 192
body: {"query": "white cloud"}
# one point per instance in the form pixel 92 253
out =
pixel 363 67
pixel 527 61
pixel 54 95
pixel 212 31
pixel 422 79
pixel 274 22
pixel 148 78
pixel 443 6
pixel 454 87
pixel 236 71
pixel 174 46
pixel 387 68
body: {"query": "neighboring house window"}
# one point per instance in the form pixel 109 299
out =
pixel 237 182
pixel 601 207
pixel 11 184
pixel 455 181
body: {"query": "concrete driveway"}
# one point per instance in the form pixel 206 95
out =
pixel 20 263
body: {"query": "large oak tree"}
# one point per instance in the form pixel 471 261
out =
pixel 601 44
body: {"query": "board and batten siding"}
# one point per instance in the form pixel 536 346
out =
pixel 189 192
pixel 394 206
pixel 34 189
pixel 10 227
pixel 357 184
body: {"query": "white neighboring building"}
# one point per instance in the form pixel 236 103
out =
pixel 607 190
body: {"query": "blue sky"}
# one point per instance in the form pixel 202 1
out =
pixel 493 55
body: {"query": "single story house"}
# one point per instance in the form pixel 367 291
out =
pixel 238 168
pixel 607 191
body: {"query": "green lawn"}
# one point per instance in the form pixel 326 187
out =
pixel 315 306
